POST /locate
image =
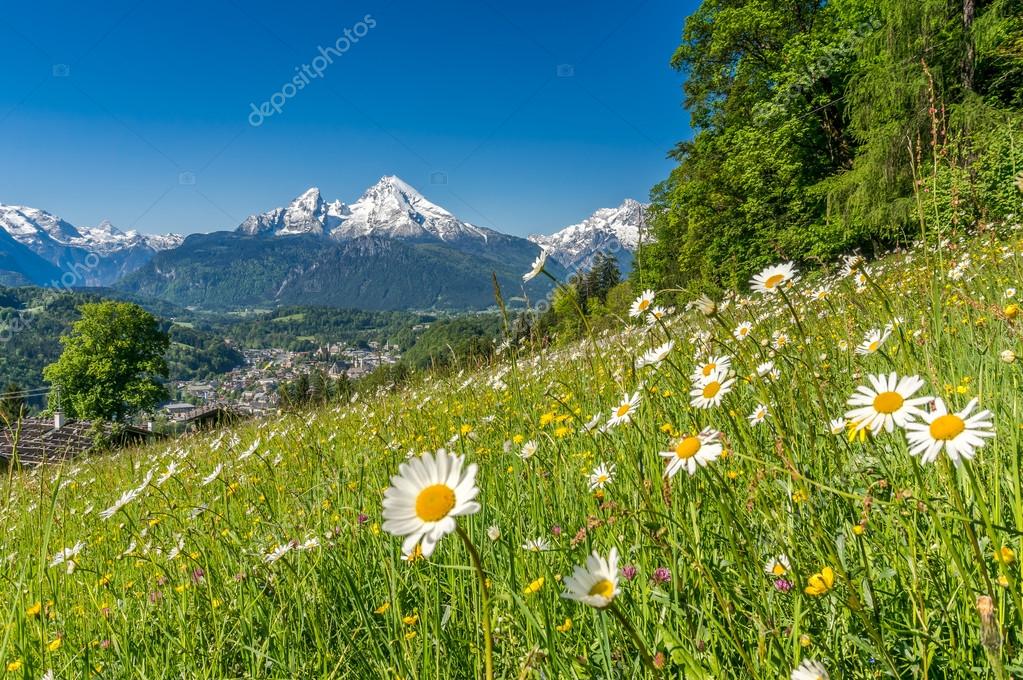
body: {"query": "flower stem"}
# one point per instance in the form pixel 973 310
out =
pixel 636 639
pixel 488 640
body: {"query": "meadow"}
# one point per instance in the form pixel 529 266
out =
pixel 749 521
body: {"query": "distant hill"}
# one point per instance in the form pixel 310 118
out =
pixel 33 319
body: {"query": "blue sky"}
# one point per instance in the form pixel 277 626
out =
pixel 522 116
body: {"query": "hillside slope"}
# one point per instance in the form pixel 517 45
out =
pixel 785 535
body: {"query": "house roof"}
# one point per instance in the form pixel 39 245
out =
pixel 35 441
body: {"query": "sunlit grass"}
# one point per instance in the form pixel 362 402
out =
pixel 793 544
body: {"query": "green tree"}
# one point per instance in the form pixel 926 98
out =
pixel 112 363
pixel 12 404
pixel 818 123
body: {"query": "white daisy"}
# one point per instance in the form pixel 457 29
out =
pixel 959 434
pixel 538 265
pixel 210 478
pixel 710 366
pixel 641 304
pixel 709 391
pixel 654 356
pixel 655 314
pixel 528 449
pixel 743 330
pixel 777 566
pixel 596 584
pixel 536 545
pixel 810 670
pixel 873 341
pixel 837 426
pixel 758 416
pixel 426 496
pixel 601 476
pixel 886 403
pixel 768 281
pixel 623 413
pixel 692 452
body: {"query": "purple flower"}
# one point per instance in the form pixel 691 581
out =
pixel 629 572
pixel 783 585
pixel 363 518
pixel 556 530
pixel 197 575
pixel 661 575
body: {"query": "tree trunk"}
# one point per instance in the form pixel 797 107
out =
pixel 970 57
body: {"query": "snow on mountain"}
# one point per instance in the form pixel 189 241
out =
pixel 96 255
pixel 617 231
pixel 307 214
pixel 391 209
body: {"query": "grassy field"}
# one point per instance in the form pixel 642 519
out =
pixel 801 541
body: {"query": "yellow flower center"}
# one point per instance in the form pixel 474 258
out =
pixel 688 447
pixel 435 502
pixel 604 589
pixel 623 410
pixel 774 281
pixel 708 369
pixel 872 347
pixel 711 389
pixel 778 569
pixel 888 402
pixel 947 427
pixel 643 304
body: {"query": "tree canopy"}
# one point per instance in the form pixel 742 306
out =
pixel 112 364
pixel 822 127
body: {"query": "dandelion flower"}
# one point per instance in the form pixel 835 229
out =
pixel 821 582
pixel 768 281
pixel 958 434
pixel 692 452
pixel 709 391
pixel 623 413
pixel 538 264
pixel 426 496
pixel 641 304
pixel 886 403
pixel 596 584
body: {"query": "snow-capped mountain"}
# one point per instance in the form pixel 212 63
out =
pixel 307 214
pixel 615 231
pixel 391 208
pixel 93 256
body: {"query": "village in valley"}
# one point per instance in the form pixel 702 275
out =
pixel 254 388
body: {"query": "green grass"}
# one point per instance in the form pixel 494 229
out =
pixel 912 545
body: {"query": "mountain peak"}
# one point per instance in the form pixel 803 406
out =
pixel 618 231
